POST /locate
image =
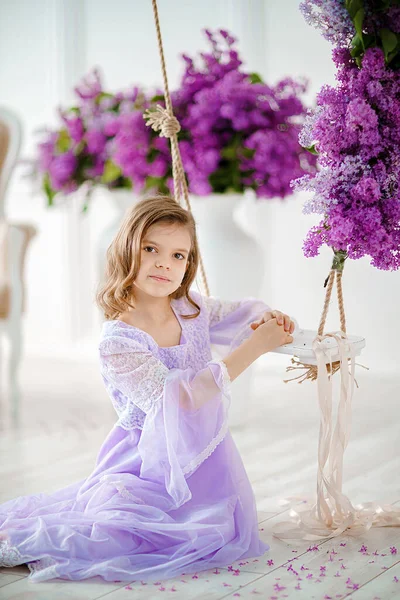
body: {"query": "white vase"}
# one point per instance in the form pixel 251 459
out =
pixel 234 266
pixel 233 259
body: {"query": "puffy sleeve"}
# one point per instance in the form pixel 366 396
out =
pixel 229 321
pixel 186 411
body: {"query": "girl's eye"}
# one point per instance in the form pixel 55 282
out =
pixel 150 248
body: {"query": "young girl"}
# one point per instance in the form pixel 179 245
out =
pixel 169 493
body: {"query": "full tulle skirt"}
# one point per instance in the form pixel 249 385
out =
pixel 122 526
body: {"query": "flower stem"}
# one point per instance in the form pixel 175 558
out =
pixel 339 259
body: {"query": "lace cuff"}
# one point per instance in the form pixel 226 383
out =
pixel 226 380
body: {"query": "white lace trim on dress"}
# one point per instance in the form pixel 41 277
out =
pixel 44 568
pixel 209 449
pixel 200 458
pixel 9 555
pixel 226 379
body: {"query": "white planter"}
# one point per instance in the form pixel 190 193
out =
pixel 234 265
pixel 232 258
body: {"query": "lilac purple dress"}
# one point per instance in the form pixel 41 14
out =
pixel 169 493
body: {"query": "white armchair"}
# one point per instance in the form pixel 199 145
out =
pixel 14 241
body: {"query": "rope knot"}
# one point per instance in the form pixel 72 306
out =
pixel 161 120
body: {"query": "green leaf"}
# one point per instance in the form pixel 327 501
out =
pixel 395 57
pixel 369 40
pixel 247 152
pixel 255 78
pixel 358 23
pixel 353 6
pixel 79 148
pixel 389 41
pixel 126 183
pixel 152 155
pixel 48 190
pixel 63 141
pixel 182 135
pixel 156 182
pixel 357 46
pixel 219 180
pixel 247 173
pixel 312 149
pixel 159 98
pixel 111 172
pixel 103 95
pixel 229 152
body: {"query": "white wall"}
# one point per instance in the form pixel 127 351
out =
pixel 47 45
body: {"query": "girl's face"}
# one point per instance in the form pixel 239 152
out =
pixel 164 257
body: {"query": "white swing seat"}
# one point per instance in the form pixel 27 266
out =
pixel 302 347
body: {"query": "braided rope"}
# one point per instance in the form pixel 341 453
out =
pixel 339 275
pixel 311 371
pixel 331 280
pixel 163 120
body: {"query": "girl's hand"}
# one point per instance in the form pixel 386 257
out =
pixel 281 319
pixel 268 336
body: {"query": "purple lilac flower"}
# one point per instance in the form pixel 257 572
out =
pixel 61 169
pixel 74 126
pixel 238 133
pixel 46 151
pixel 90 86
pixel 95 141
pixel 97 169
pixel 331 18
pixel 356 130
pixel 80 151
pixel 131 146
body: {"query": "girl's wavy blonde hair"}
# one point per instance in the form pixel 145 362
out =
pixel 124 252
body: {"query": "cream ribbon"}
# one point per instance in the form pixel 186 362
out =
pixel 333 513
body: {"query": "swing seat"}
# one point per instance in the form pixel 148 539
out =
pixel 302 346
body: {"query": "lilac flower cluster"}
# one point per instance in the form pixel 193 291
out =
pixel 103 140
pixel 359 24
pixel 238 132
pixel 331 18
pixel 355 130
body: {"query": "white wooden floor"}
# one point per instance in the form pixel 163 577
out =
pixel 66 414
